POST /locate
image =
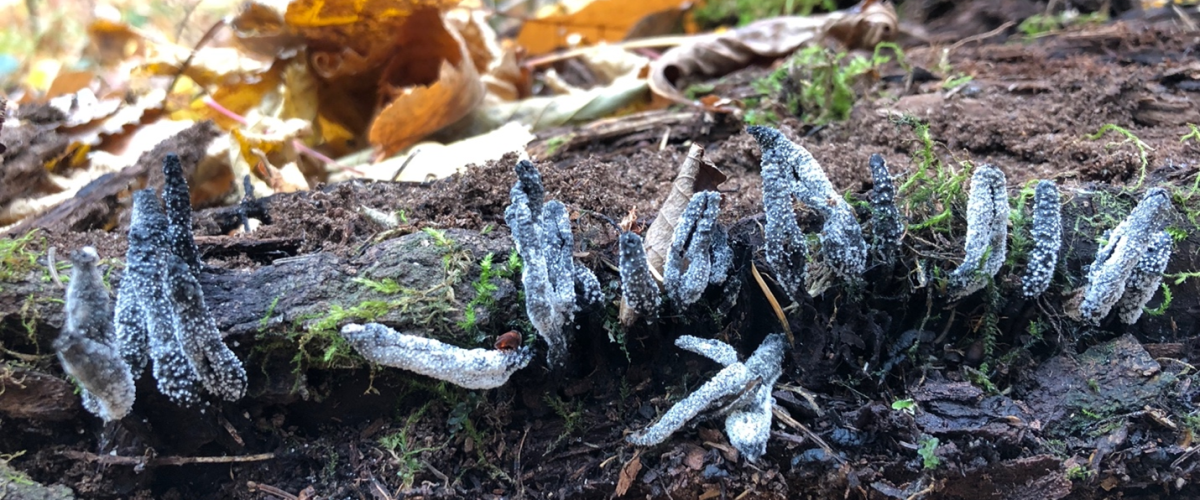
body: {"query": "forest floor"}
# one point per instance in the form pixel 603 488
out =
pixel 891 391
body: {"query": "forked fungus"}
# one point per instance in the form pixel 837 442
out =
pixel 700 253
pixel 843 248
pixel 749 421
pixel 1109 275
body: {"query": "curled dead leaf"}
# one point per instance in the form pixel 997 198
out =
pixel 715 55
pixel 695 174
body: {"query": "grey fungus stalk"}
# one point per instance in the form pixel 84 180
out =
pixel 469 368
pixel 987 232
pixel 748 422
pixel 785 247
pixel 843 249
pixel 160 313
pixel 638 287
pixel 699 253
pixel 216 367
pixel 1145 278
pixel 1046 232
pixel 178 200
pixel 1109 275
pixel 88 347
pixel 887 225
pixel 541 232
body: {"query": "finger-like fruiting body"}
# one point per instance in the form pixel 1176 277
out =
pixel 638 287
pixel 147 238
pixel 749 423
pixel 729 381
pixel 749 427
pixel 560 261
pixel 469 368
pixel 540 297
pixel 88 347
pixel 785 244
pixel 216 367
pixel 1117 258
pixel 698 256
pixel 1046 232
pixel 1145 278
pixel 88 307
pixel 887 227
pixel 529 183
pixel 178 201
pixel 842 245
pixel 987 232
pixel 587 286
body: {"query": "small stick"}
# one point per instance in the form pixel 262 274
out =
pixel 787 329
pixel 270 490
pixel 143 461
pixel 53 268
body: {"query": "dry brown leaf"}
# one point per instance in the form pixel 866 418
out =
pixel 629 473
pixel 364 28
pixel 433 83
pixel 590 21
pixel 260 29
pixel 715 55
pixel 695 174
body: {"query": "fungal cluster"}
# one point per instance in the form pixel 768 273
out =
pixel 160 316
pixel 790 173
pixel 1129 265
pixel 541 232
pixel 742 391
pixel 699 255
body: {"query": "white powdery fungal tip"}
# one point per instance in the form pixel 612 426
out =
pixel 987 232
pixel 1145 278
pixel 843 247
pixel 712 349
pixel 748 425
pixel 638 286
pixel 469 368
pixel 147 238
pixel 1046 232
pixel 785 243
pixel 216 367
pixel 587 286
pixel 178 201
pixel 699 253
pixel 88 347
pixel 1109 275
pixel 887 226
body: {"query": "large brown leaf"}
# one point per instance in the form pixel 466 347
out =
pixel 715 55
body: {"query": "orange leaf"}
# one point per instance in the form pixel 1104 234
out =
pixel 592 20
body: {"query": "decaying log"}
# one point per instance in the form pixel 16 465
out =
pixel 432 285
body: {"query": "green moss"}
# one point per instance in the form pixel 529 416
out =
pixel 1142 148
pixel 928 453
pixel 18 256
pixel 715 13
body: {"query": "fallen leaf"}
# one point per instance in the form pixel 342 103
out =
pixel 715 55
pixel 628 474
pixel 695 174
pixel 541 113
pixel 431 161
pixel 588 21
pixel 433 83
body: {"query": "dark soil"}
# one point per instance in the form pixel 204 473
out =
pixel 1060 410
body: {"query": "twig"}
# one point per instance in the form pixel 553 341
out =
pixel 786 418
pixel 405 164
pixel 270 490
pixel 53 268
pixel 208 35
pixel 981 36
pixel 158 461
pixel 787 329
